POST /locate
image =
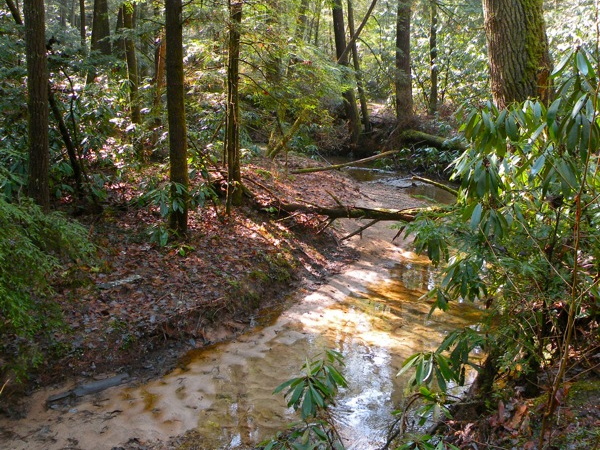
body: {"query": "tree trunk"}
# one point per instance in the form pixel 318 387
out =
pixel 82 24
pixel 403 82
pixel 340 46
pixel 100 41
pixel 37 103
pixel 14 10
pixel 362 96
pixel 302 20
pixel 101 28
pixel 518 55
pixel 433 53
pixel 71 151
pixel 176 111
pixel 232 123
pixel 159 85
pixel 132 66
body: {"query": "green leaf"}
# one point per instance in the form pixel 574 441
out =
pixel 537 165
pixel 408 363
pixel 308 405
pixel 476 216
pixel 583 64
pixel 296 395
pixel 285 384
pixel 563 63
pixel 512 130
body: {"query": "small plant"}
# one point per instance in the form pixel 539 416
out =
pixel 312 394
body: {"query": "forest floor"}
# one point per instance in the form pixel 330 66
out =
pixel 141 306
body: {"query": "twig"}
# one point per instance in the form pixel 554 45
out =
pixel 360 230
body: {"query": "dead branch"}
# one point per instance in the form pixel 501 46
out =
pixel 339 166
pixel 436 184
pixel 361 229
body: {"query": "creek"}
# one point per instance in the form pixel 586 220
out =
pixel 370 312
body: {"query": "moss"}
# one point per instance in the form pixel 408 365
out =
pixel 580 391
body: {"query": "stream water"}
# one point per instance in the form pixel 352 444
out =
pixel 370 312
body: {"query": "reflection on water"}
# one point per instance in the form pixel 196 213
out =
pixel 375 329
pixel 224 392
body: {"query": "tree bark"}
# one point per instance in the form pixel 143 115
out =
pixel 232 124
pixel 71 151
pixel 82 24
pixel 131 58
pixel 100 41
pixel 433 54
pixel 14 10
pixel 364 109
pixel 348 94
pixel 518 54
pixel 302 21
pixel 101 28
pixel 178 217
pixel 354 35
pixel 37 86
pixel 353 212
pixel 339 166
pixel 403 81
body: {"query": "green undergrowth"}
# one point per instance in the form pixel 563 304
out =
pixel 35 249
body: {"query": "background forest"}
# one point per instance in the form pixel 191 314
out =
pixel 160 106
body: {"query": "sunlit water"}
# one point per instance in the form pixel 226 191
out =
pixel 225 391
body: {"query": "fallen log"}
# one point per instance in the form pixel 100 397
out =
pixel 339 166
pixel 355 212
pixel 420 138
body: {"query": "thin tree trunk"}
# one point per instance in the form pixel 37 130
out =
pixel 354 36
pixel 178 217
pixel 359 80
pixel 319 10
pixel 518 55
pixel 433 53
pixel 82 24
pixel 232 124
pixel 159 82
pixel 71 151
pixel 14 10
pixel 403 82
pixel 37 103
pixel 349 98
pixel 132 66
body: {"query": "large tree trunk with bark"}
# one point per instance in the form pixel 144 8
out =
pixel 176 112
pixel 37 102
pixel 340 47
pixel 518 55
pixel 403 81
pixel 232 132
pixel 101 28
